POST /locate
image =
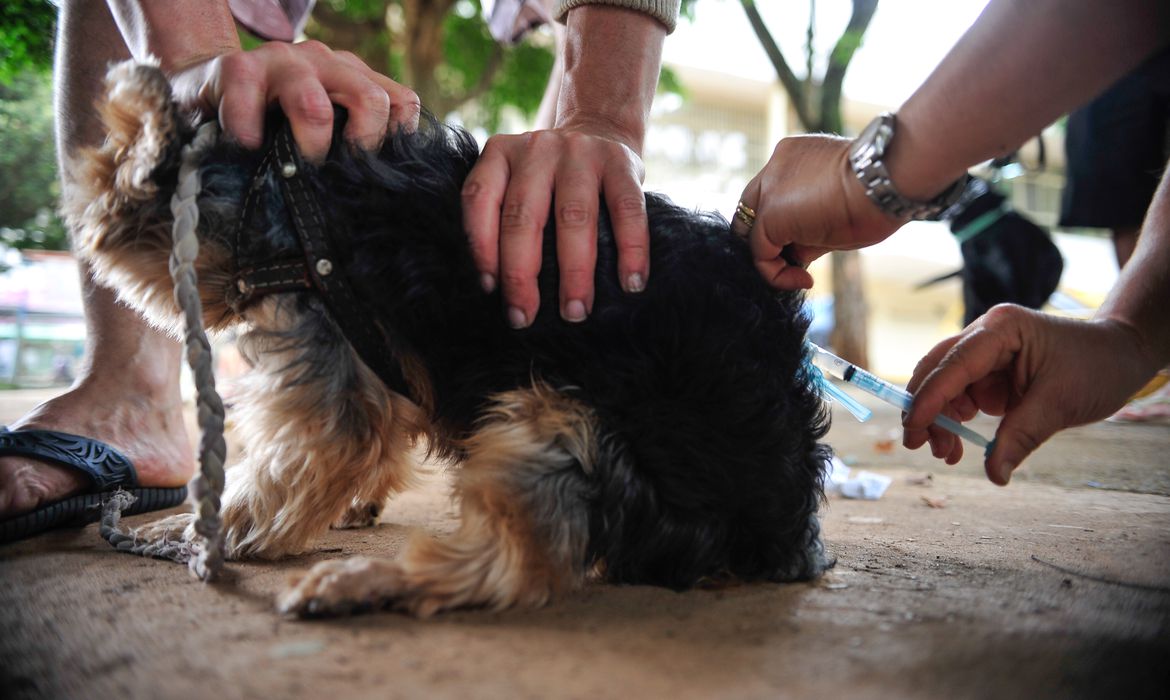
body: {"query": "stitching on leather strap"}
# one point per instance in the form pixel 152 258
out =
pixel 349 313
pixel 249 207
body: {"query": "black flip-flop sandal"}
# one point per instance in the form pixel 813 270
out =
pixel 109 469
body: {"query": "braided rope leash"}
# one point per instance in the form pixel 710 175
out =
pixel 204 556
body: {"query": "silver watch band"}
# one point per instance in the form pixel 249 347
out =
pixel 867 158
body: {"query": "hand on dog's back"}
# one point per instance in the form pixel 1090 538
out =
pixel 509 197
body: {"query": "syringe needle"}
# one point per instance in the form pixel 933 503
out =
pixel 895 396
pixel 962 431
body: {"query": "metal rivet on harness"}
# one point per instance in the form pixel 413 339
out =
pixel 266 271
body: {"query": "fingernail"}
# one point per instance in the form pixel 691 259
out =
pixel 488 282
pixel 1006 472
pixel 635 283
pixel 574 311
pixel 516 318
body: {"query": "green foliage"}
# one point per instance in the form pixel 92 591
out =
pixel 365 27
pixel 668 80
pixel 670 83
pixel 29 187
pixel 26 36
pixel 358 10
pixel 519 80
pixel 476 75
pixel 248 40
pixel 467 48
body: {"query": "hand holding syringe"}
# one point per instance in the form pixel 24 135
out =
pixel 899 398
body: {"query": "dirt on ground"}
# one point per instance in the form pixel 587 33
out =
pixel 1057 586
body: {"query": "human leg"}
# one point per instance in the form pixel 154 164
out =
pixel 126 393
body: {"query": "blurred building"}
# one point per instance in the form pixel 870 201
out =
pixel 42 328
pixel 42 325
pixel 701 148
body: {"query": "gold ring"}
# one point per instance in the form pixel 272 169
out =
pixel 745 214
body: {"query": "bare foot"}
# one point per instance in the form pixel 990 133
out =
pixel 143 423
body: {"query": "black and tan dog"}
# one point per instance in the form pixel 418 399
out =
pixel 669 439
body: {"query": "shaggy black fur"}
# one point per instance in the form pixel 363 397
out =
pixel 709 461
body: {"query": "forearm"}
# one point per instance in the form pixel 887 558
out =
pixel 179 33
pixel 1022 65
pixel 1141 294
pixel 665 11
pixel 611 61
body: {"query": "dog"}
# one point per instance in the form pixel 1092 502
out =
pixel 672 438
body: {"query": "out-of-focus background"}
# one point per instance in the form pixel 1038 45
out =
pixel 721 108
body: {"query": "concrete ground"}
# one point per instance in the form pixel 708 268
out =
pixel 1057 586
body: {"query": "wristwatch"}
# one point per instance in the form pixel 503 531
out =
pixel 866 156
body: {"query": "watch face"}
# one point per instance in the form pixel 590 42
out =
pixel 874 138
pixel 883 131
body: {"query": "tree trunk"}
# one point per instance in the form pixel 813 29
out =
pixel 371 34
pixel 423 49
pixel 792 85
pixel 839 60
pixel 849 337
pixel 366 38
pixel 850 327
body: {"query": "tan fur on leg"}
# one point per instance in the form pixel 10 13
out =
pixel 524 529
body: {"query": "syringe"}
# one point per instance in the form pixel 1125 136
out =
pixel 899 398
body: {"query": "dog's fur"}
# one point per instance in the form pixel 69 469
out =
pixel 671 438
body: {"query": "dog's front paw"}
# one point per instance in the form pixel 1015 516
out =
pixel 359 514
pixel 341 587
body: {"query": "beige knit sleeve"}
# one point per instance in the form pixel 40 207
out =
pixel 665 11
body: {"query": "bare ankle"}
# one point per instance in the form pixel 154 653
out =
pixel 151 379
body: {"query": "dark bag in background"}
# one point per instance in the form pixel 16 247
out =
pixel 1007 258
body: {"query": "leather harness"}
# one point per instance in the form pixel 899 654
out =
pixel 316 268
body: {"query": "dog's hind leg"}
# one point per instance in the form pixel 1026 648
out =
pixel 524 493
pixel 369 502
pixel 360 513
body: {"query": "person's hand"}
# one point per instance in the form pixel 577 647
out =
pixel 1042 373
pixel 808 199
pixel 306 80
pixel 507 199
